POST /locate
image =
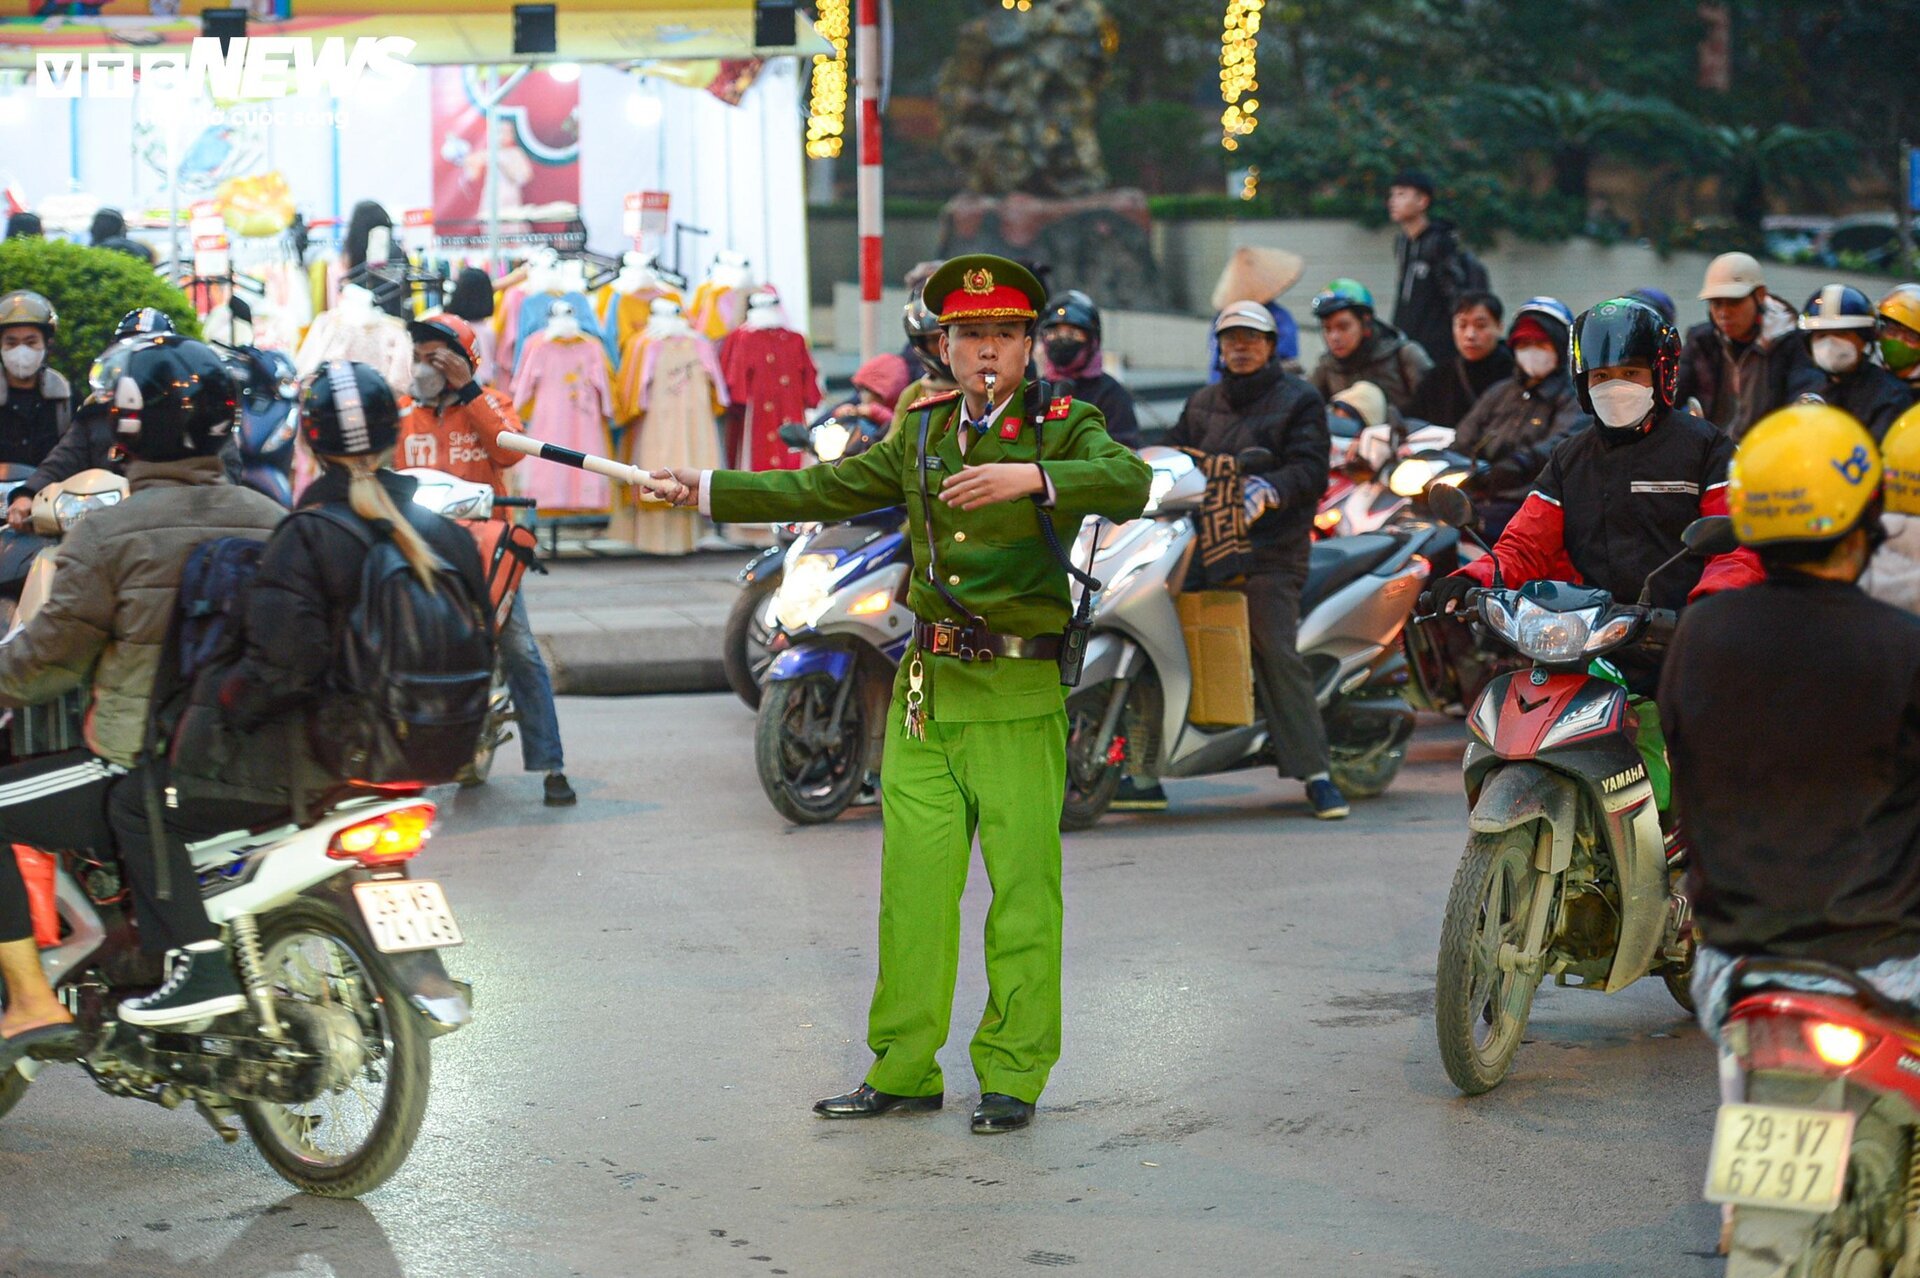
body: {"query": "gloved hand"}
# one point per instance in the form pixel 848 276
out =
pixel 1448 594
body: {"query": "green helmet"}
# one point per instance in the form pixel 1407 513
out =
pixel 1342 295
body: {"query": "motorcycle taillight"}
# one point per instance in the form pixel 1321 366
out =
pixel 1805 1044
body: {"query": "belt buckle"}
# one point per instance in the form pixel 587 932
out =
pixel 944 637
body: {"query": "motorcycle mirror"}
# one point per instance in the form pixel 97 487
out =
pixel 1710 535
pixel 241 312
pixel 1253 461
pixel 1451 507
pixel 794 435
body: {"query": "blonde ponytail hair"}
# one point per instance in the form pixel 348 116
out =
pixel 372 503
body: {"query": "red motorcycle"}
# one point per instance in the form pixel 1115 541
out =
pixel 1567 873
pixel 1821 1161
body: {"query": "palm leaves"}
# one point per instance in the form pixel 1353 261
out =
pixel 1574 127
pixel 1751 161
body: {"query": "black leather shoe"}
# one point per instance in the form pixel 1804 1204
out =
pixel 864 1102
pixel 1001 1113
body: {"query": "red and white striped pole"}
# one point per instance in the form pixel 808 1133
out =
pixel 866 54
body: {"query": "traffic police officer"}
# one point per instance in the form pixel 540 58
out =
pixel 977 734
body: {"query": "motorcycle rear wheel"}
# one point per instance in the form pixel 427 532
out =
pixel 1474 1000
pixel 805 785
pixel 743 646
pixel 13 1087
pixel 1369 775
pixel 312 952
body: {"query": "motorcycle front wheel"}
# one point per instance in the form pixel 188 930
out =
pixel 811 767
pixel 348 1141
pixel 1093 778
pixel 1480 1009
pixel 744 654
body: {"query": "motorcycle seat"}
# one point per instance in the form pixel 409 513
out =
pixel 1341 561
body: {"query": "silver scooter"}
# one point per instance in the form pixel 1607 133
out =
pixel 1129 715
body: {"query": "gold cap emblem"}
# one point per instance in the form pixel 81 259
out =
pixel 978 281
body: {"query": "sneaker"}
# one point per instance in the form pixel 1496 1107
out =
pixel 1328 803
pixel 559 793
pixel 200 984
pixel 1132 796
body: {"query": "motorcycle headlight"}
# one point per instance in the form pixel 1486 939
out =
pixel 1411 476
pixel 1554 637
pixel 830 441
pixel 69 507
pixel 805 587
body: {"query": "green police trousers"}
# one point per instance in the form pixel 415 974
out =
pixel 1005 781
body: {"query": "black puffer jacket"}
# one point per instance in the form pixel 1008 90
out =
pixel 86 444
pixel 1114 401
pixel 1430 277
pixel 1514 429
pixel 1453 386
pixel 309 581
pixel 1873 395
pixel 1287 417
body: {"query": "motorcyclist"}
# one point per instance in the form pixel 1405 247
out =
pixel 1899 331
pixel 923 342
pixel 105 624
pixel 1260 405
pixel 1839 322
pixel 1613 499
pixel 244 733
pixel 453 423
pixel 1519 421
pixel 88 442
pixel 1479 360
pixel 1362 347
pixel 879 387
pixel 1070 341
pixel 1805 690
pixel 1745 361
pixel 35 400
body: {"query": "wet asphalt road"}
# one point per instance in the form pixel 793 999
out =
pixel 668 976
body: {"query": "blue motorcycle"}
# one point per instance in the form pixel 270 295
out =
pixel 838 626
pixel 269 386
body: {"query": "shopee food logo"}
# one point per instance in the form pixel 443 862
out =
pixel 251 67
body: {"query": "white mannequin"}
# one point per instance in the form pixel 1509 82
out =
pixel 764 311
pixel 636 274
pixel 573 276
pixel 665 319
pixel 379 246
pixel 356 305
pixel 729 270
pixel 562 324
pixel 542 276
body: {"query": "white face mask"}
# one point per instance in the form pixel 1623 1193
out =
pixel 24 361
pixel 1621 404
pixel 1536 361
pixel 429 383
pixel 1836 355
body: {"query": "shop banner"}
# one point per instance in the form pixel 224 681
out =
pixel 538 124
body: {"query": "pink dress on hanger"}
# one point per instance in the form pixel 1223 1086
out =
pixel 564 394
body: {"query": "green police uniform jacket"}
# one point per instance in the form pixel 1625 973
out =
pixel 992 559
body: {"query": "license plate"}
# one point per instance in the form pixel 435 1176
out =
pixel 1779 1156
pixel 407 914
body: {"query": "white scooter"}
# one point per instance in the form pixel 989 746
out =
pixel 1129 714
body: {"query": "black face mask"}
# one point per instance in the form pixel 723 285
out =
pixel 1065 352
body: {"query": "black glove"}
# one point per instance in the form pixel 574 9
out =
pixel 1448 594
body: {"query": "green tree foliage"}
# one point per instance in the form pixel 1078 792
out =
pixel 91 289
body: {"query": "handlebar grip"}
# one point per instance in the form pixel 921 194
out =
pixel 518 503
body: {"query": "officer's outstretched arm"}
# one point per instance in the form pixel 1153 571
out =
pixel 870 481
pixel 1094 473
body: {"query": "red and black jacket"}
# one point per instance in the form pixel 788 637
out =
pixel 1609 509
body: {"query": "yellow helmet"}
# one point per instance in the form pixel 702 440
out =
pixel 1807 472
pixel 1902 306
pixel 1900 451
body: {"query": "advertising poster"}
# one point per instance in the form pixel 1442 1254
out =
pixel 538 124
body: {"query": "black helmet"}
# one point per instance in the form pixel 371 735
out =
pixel 139 323
pixel 168 397
pixel 349 411
pixel 1075 308
pixel 923 333
pixel 1625 331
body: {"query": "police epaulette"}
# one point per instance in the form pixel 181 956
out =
pixel 927 401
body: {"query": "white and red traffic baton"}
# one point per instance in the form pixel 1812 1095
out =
pixel 633 476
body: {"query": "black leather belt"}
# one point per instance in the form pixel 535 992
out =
pixel 970 643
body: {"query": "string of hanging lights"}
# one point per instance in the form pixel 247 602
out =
pixel 1239 42
pixel 827 103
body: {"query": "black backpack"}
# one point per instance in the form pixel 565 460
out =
pixel 412 674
